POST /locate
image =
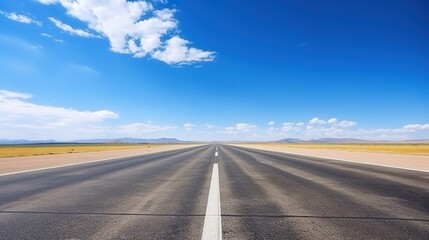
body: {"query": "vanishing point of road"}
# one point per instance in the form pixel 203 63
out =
pixel 213 192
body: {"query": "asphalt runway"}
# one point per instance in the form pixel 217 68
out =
pixel 178 194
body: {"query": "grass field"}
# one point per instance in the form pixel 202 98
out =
pixel 401 148
pixel 47 149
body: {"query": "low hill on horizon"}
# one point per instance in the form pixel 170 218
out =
pixel 348 140
pixel 113 140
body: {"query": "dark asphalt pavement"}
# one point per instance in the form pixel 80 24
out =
pixel 263 195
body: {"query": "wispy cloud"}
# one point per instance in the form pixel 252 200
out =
pixel 11 95
pixel 188 126
pixel 133 27
pixel 72 31
pixel 48 1
pixel 20 118
pixel 332 120
pixel 13 105
pixel 84 69
pixel 50 36
pixel 18 43
pixel 344 124
pixel 241 127
pixel 137 129
pixel 290 126
pixel 20 18
pixel 415 127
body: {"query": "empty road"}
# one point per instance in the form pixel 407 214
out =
pixel 260 195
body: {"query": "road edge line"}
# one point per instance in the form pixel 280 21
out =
pixel 93 161
pixel 339 160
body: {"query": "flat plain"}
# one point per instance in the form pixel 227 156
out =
pixel 89 153
pixel 397 148
pixel 49 149
pixel 405 156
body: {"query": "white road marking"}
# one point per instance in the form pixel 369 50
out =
pixel 216 154
pixel 81 163
pixel 354 161
pixel 212 223
pixel 343 160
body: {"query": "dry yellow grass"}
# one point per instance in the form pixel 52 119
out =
pixel 400 148
pixel 48 149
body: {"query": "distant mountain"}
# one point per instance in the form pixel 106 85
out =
pixel 355 140
pixel 116 140
pixel 131 140
pixel 323 140
pixel 338 140
pixel 24 141
pixel 416 141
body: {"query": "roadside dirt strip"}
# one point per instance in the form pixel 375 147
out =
pixel 403 161
pixel 21 164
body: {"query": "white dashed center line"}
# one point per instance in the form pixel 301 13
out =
pixel 212 222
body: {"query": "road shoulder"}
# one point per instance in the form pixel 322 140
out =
pixel 31 163
pixel 402 161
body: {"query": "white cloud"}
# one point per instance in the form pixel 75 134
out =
pixel 134 27
pixel 332 120
pixel 287 128
pixel 19 118
pixel 334 128
pixel 20 18
pixel 176 51
pixel 50 36
pixel 292 127
pixel 272 130
pixel 270 123
pixel 241 127
pixel 344 124
pixel 410 128
pixel 188 126
pixel 47 2
pixel 69 29
pixel 46 35
pixel 14 107
pixel 345 129
pixel 244 127
pixel 136 129
pixel 316 121
pixel 416 126
pixel 5 94
pixel 210 126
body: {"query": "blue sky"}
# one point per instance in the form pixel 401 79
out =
pixel 214 70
